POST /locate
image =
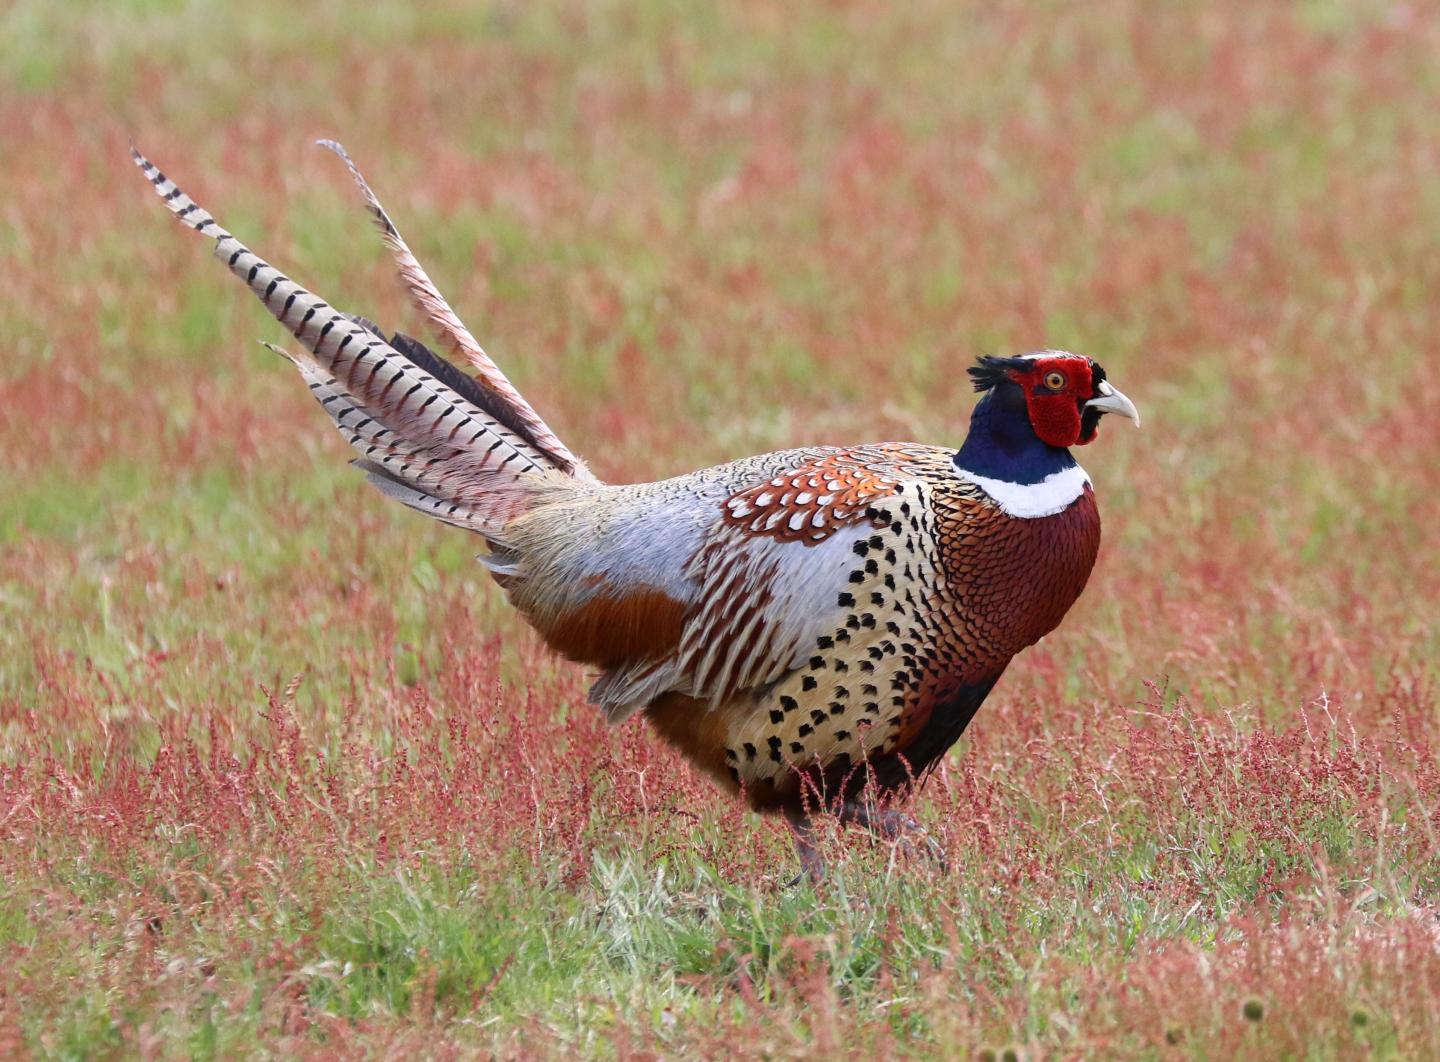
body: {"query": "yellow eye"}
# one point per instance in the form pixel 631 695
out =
pixel 1055 381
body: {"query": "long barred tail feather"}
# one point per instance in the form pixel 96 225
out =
pixel 398 469
pixel 432 304
pixel 180 204
pixel 425 432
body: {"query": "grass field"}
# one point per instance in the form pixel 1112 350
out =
pixel 279 772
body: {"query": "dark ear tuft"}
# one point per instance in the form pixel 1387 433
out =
pixel 990 370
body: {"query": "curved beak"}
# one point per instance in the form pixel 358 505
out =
pixel 1113 401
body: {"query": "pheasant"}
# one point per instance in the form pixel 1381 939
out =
pixel 812 627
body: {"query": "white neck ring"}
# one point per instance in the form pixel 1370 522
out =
pixel 1028 501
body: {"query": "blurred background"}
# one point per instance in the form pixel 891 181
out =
pixel 691 232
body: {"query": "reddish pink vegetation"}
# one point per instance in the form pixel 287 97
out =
pixel 480 774
pixel 486 775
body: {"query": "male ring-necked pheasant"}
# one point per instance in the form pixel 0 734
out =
pixel 801 624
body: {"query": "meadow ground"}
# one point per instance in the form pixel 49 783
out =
pixel 279 772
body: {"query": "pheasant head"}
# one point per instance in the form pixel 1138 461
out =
pixel 1064 395
pixel 1034 408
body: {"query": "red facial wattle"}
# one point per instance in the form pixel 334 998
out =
pixel 1055 412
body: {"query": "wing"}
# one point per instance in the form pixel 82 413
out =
pixel 781 566
pixel 778 566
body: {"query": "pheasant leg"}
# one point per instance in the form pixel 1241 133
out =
pixel 893 825
pixel 812 866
